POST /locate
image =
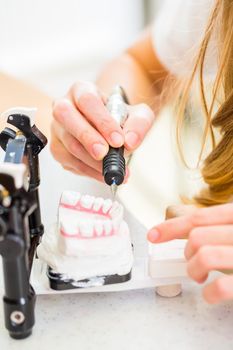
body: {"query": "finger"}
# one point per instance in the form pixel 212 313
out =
pixel 219 290
pixel 137 125
pixel 90 104
pixel 180 227
pixel 209 258
pixel 75 124
pixel 211 235
pixel 74 147
pixel 174 211
pixel 170 229
pixel 68 161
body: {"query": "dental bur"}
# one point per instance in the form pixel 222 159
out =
pixel 114 161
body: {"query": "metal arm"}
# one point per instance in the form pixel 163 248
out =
pixel 20 220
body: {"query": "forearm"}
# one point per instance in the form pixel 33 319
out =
pixel 128 73
pixel 14 93
pixel 139 71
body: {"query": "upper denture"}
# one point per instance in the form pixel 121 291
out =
pixel 81 226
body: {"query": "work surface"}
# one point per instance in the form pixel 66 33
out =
pixel 127 320
pixel 122 320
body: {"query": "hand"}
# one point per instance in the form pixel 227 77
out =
pixel 83 129
pixel 209 247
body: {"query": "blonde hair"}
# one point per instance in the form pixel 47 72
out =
pixel 218 166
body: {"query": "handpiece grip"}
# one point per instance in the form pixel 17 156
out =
pixel 114 161
pixel 114 166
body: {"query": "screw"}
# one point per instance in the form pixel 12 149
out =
pixel 17 317
pixel 6 201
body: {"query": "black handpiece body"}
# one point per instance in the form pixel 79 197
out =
pixel 114 161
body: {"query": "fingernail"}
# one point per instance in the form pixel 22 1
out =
pixel 117 139
pixel 153 236
pixel 99 150
pixel 131 139
pixel 85 88
pixel 63 107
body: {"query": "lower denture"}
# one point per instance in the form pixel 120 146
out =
pixel 80 208
pixel 78 236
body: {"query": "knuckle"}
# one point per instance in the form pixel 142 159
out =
pixel 196 218
pixel 218 254
pixel 84 137
pixel 72 146
pixel 195 238
pixel 105 124
pixel 204 257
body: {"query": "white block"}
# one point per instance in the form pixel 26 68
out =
pixel 167 260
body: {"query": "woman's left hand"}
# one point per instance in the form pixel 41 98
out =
pixel 210 246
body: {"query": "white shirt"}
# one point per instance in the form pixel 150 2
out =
pixel 177 34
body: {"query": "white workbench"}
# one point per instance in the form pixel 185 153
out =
pixel 122 320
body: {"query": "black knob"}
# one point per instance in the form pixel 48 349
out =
pixel 114 166
pixel 5 135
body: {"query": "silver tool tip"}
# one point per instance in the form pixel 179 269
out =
pixel 117 90
pixel 114 189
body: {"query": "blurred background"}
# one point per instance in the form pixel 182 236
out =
pixel 51 43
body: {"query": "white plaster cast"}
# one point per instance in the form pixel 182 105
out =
pixel 89 239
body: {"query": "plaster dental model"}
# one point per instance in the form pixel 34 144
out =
pixel 89 246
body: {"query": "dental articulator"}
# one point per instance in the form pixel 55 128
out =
pixel 88 248
pixel 20 220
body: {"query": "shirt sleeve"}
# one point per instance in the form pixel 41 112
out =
pixel 178 31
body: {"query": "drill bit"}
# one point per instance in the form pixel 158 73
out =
pixel 113 189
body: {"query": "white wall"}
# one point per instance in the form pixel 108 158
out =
pixel 53 42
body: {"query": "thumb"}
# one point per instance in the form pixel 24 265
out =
pixel 137 125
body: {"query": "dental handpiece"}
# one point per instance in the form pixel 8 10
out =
pixel 114 161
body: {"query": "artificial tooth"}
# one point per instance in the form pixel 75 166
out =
pixel 98 203
pixel 106 206
pixel 87 201
pixel 117 211
pixel 116 225
pixel 86 228
pixel 68 228
pixel 107 227
pixel 70 197
pixel 99 227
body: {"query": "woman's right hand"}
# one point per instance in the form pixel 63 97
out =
pixel 83 129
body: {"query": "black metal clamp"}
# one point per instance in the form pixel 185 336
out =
pixel 20 220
